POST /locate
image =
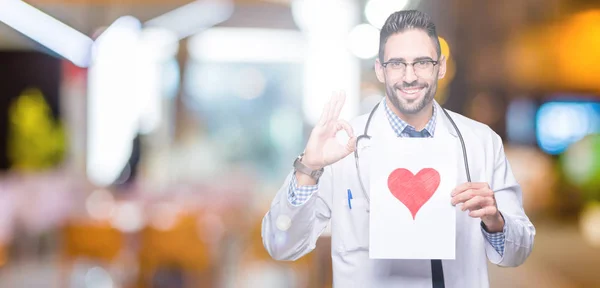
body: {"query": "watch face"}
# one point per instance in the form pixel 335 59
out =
pixel 317 173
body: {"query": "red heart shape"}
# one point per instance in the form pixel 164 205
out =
pixel 413 190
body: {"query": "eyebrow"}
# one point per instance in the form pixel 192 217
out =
pixel 404 60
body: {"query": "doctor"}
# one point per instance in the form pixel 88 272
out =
pixel 490 222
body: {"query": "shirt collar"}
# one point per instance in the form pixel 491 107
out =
pixel 400 126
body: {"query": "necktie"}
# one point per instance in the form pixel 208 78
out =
pixel 437 273
pixel 415 134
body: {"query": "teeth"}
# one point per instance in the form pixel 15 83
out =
pixel 411 90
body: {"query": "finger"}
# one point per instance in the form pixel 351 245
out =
pixel 325 113
pixel 468 185
pixel 463 197
pixel 474 203
pixel 334 101
pixel 485 211
pixel 339 104
pixel 470 193
pixel 346 126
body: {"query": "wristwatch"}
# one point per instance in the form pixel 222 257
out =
pixel 300 167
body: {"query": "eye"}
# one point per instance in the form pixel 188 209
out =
pixel 422 64
pixel 396 64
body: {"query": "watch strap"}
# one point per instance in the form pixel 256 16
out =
pixel 300 167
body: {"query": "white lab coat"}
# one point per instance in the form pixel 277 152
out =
pixel 352 266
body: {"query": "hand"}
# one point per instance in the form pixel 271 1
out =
pixel 479 199
pixel 323 148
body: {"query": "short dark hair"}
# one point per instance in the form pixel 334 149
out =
pixel 407 19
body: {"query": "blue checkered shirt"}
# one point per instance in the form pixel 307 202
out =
pixel 299 195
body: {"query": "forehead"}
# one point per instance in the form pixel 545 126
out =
pixel 409 45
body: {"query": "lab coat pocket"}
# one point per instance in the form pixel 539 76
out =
pixel 355 225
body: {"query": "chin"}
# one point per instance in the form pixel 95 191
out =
pixel 410 109
pixel 410 106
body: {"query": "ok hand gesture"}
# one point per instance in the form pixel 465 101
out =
pixel 323 148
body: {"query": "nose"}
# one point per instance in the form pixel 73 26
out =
pixel 409 74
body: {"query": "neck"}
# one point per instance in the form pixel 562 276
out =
pixel 417 120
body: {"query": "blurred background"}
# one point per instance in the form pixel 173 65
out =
pixel 141 142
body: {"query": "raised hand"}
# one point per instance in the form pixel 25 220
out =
pixel 323 148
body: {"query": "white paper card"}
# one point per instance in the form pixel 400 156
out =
pixel 413 177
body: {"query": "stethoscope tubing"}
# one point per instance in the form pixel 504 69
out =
pixel 365 135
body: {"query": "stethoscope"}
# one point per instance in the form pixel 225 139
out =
pixel 366 136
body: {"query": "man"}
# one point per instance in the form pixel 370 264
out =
pixel 490 221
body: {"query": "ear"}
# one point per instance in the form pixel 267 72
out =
pixel 442 71
pixel 379 71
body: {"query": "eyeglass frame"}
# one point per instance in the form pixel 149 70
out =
pixel 427 59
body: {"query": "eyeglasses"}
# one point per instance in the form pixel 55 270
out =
pixel 422 68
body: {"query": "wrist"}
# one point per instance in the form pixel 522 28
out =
pixel 304 180
pixel 306 160
pixel 303 172
pixel 310 165
pixel 495 224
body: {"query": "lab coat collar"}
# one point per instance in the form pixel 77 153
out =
pixel 443 122
pixel 382 125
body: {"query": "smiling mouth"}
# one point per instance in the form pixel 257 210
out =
pixel 411 93
pixel 412 90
